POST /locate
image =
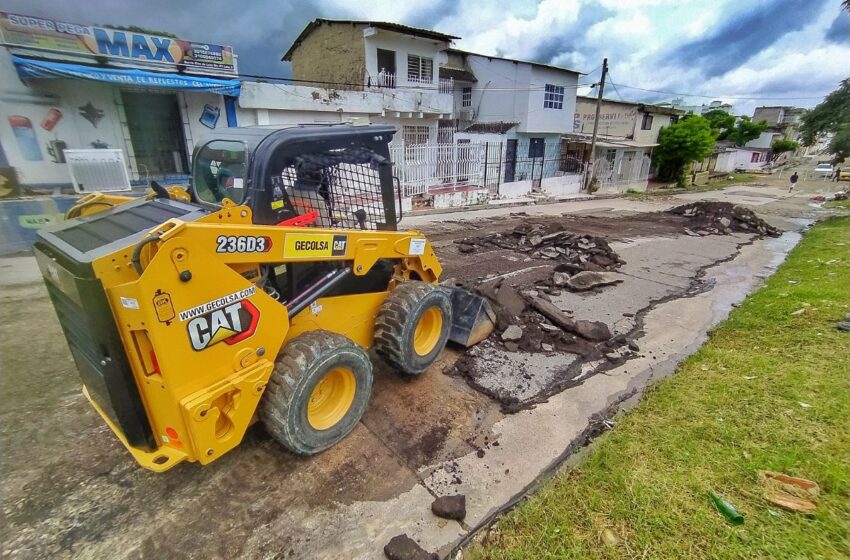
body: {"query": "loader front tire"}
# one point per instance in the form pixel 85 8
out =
pixel 318 391
pixel 413 326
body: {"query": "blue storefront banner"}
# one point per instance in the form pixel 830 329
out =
pixel 29 68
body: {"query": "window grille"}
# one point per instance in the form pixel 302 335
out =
pixel 553 97
pixel 420 69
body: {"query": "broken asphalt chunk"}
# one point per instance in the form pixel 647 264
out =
pixel 450 507
pixel 402 547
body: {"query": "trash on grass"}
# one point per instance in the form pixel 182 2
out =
pixel 727 509
pixel 790 492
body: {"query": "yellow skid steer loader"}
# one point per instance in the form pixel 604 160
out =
pixel 252 297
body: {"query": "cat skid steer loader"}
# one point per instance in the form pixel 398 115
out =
pixel 252 297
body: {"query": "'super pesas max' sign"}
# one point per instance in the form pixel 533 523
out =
pixel 58 36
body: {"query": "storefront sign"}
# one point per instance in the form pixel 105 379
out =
pixel 32 32
pixel 28 68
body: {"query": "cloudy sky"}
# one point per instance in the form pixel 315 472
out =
pixel 749 53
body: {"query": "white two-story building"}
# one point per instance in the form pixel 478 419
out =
pixel 347 70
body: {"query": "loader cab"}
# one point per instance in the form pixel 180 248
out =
pixel 337 176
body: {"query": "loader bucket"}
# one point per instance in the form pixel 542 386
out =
pixel 472 318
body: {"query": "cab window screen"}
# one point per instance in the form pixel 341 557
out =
pixel 219 172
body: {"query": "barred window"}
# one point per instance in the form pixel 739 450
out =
pixel 646 123
pixel 415 135
pixel 553 97
pixel 420 69
pixel 466 97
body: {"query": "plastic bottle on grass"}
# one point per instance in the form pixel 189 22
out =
pixel 724 507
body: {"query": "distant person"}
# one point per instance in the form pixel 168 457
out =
pixel 793 180
pixel 837 175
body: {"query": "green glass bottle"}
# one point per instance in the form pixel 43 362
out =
pixel 724 507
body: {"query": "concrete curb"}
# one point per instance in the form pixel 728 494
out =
pixel 517 204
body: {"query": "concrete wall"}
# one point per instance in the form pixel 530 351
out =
pixel 540 119
pixel 615 118
pixel 651 136
pixel 773 115
pixel 328 101
pixel 496 97
pixel 27 150
pixel 765 140
pixel 402 45
pixel 333 52
pixel 512 91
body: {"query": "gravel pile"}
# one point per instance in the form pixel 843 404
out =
pixel 712 218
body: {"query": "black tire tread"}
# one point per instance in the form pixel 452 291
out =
pixel 291 365
pixel 391 319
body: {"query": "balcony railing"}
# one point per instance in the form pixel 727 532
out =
pixel 388 80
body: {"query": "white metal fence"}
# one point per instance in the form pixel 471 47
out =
pixel 623 172
pixel 422 168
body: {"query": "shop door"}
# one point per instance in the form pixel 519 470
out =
pixel 156 132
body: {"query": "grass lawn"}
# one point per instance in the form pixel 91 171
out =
pixel 769 390
pixel 845 204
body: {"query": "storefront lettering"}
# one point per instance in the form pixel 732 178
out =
pixel 117 45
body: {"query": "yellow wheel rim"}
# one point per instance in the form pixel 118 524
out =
pixel 331 398
pixel 427 332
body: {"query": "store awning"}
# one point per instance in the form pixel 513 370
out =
pixel 30 68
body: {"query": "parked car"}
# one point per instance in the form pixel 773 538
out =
pixel 824 169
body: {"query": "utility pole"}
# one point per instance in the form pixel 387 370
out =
pixel 596 119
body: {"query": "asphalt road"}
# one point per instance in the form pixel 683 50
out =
pixel 71 490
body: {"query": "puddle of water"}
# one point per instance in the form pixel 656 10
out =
pixel 733 280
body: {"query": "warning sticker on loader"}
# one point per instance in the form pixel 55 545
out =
pixel 312 245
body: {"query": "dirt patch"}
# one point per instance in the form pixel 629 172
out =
pixel 539 241
pixel 541 260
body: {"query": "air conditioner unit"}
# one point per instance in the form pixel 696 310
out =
pixel 465 114
pixel 97 170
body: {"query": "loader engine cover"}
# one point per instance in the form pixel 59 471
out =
pixel 65 254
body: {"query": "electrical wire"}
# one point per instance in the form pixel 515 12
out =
pixel 715 96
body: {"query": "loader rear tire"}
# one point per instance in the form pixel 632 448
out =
pixel 318 391
pixel 413 326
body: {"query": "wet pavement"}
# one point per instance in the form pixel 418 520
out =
pixel 71 490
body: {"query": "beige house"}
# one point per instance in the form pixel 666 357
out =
pixel 626 135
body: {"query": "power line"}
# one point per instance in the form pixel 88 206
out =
pixel 715 96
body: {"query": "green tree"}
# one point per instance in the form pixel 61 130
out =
pixel 782 146
pixel 746 130
pixel 720 121
pixel 832 116
pixel 690 139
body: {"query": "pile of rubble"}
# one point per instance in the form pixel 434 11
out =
pixel 529 321
pixel 577 252
pixel 708 218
